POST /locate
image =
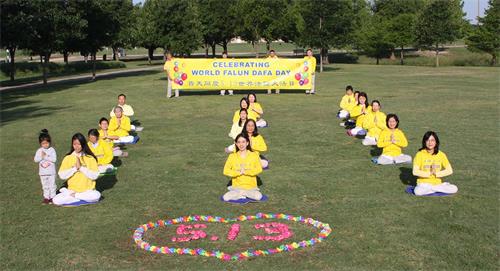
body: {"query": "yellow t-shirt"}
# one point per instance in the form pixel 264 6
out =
pixel 258 144
pixel 168 67
pixel 255 106
pixel 107 141
pixel 102 151
pixel 374 122
pixel 389 148
pixel 79 182
pixel 122 130
pixel 252 166
pixel 312 63
pixel 360 117
pixel 424 160
pixel 348 102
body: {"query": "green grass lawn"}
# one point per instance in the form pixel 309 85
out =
pixel 316 171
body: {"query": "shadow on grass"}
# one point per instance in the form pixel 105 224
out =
pixel 375 151
pixel 406 176
pixel 105 182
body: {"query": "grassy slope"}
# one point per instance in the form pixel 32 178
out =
pixel 317 171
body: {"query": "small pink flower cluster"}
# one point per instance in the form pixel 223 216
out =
pixel 274 227
pixel 233 232
pixel 188 230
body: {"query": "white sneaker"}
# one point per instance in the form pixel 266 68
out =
pixel 342 124
pixel 139 128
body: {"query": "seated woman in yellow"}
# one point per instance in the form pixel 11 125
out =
pixel 102 151
pixel 374 122
pixel 119 125
pixel 109 139
pixel 392 140
pixel 127 111
pixel 347 102
pixel 359 112
pixel 256 140
pixel 244 105
pixel 79 167
pixel 236 129
pixel 431 164
pixel 256 108
pixel 243 167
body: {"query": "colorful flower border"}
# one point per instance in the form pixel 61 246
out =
pixel 325 231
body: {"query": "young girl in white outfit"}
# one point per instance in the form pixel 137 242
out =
pixel 46 158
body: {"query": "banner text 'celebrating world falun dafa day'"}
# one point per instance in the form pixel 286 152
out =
pixel 249 73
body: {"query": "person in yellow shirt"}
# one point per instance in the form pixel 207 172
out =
pixel 430 165
pixel 359 112
pixel 347 103
pixel 243 167
pixel 392 140
pixel 374 122
pixel 127 111
pixel 236 129
pixel 109 139
pixel 244 105
pixel 119 125
pixel 102 151
pixel 223 91
pixel 256 109
pixel 79 168
pixel 272 55
pixel 312 64
pixel 168 67
pixel 257 142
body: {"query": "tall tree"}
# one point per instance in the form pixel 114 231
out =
pixel 69 28
pixel 325 24
pixel 486 36
pixel 15 22
pixel 124 19
pixel 374 38
pixel 146 31
pixel 440 21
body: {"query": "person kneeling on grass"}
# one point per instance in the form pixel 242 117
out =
pixel 109 139
pixel 102 151
pixel 392 140
pixel 119 125
pixel 374 122
pixel 79 167
pixel 243 167
pixel 431 164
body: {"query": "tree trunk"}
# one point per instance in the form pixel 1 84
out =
pixel 41 59
pixel 213 48
pixel 325 56
pixel 321 60
pixel 401 56
pixel 377 60
pixel 256 49
pixel 206 49
pixel 224 46
pixel 12 52
pixel 116 56
pixel 437 55
pixel 65 56
pixel 150 54
pixel 44 67
pixel 93 65
pixel 493 60
pixel 268 45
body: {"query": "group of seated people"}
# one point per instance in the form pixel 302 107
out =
pixel 366 120
pixel 92 156
pixel 245 159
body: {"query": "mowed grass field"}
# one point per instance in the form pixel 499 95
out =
pixel 315 171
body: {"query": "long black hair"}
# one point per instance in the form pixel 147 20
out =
pixel 83 142
pixel 44 136
pixel 245 136
pixel 426 137
pixel 363 94
pixel 389 116
pixel 244 99
pixel 239 121
pixel 255 132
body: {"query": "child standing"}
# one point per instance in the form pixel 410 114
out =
pixel 46 158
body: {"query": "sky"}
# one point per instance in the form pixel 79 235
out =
pixel 470 7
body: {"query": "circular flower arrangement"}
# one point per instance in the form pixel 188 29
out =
pixel 324 228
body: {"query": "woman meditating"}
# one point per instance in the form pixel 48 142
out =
pixel 119 125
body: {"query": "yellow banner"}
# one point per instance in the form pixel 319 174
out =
pixel 246 73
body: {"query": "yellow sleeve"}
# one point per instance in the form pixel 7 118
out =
pixel 257 107
pixel 108 152
pixel 313 65
pixel 125 123
pixel 258 144
pixel 356 111
pixel 446 165
pixel 228 167
pixel 381 121
pixel 255 166
pixel 401 139
pixel 91 163
pixel 369 122
pixel 113 125
pixel 417 167
pixel 236 116
pixel 343 102
pixel 67 163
